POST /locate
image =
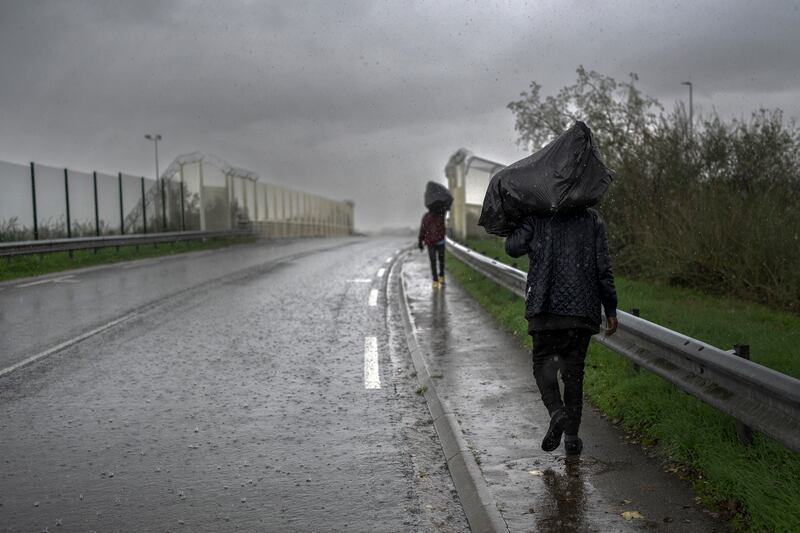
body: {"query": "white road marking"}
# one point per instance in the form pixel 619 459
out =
pixel 61 279
pixel 381 272
pixel 359 280
pixel 372 379
pixel 373 297
pixel 142 262
pixel 63 345
pixel 32 283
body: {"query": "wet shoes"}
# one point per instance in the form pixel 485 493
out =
pixel 552 438
pixel 573 447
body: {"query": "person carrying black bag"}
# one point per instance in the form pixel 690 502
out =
pixel 569 278
pixel 432 231
pixel 432 234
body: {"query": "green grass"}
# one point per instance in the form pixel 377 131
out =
pixel 756 488
pixel 35 265
pixel 773 336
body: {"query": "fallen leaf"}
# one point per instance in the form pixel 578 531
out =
pixel 630 515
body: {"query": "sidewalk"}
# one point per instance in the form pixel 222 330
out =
pixel 486 378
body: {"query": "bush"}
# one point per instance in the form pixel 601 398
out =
pixel 714 210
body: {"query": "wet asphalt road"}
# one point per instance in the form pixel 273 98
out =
pixel 235 399
pixel 37 314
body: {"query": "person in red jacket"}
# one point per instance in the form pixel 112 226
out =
pixel 432 235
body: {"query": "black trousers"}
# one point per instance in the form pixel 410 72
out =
pixel 564 350
pixel 436 251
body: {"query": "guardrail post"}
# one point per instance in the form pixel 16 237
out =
pixel 635 311
pixel 33 196
pixel 743 431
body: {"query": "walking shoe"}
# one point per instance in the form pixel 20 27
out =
pixel 435 284
pixel 441 279
pixel 573 447
pixel 552 438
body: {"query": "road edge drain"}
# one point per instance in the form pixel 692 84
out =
pixel 476 499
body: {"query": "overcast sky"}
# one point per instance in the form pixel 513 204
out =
pixel 356 100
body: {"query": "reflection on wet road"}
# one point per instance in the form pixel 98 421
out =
pixel 564 508
pixel 243 405
pixel 39 314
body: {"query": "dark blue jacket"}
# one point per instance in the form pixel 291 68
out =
pixel 570 269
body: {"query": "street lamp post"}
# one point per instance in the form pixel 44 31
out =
pixel 155 138
pixel 690 107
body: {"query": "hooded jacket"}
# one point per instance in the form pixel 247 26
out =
pixel 570 269
pixel 432 229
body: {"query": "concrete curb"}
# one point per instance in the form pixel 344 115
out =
pixel 479 505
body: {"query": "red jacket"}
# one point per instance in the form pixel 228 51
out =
pixel 432 228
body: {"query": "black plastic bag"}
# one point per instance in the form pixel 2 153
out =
pixel 564 176
pixel 437 197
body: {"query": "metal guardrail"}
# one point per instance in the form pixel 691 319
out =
pixel 755 395
pixel 10 249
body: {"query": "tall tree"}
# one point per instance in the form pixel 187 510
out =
pixel 618 113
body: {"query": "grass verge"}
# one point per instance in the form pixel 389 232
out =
pixel 756 488
pixel 36 265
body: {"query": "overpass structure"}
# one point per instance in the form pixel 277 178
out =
pixel 468 176
pixel 220 196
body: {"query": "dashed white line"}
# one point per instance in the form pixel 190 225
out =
pixel 381 272
pixel 67 344
pixel 32 283
pixel 372 378
pixel 61 279
pixel 143 262
pixel 373 297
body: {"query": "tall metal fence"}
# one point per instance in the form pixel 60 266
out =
pixel 197 192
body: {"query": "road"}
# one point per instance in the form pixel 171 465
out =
pixel 259 388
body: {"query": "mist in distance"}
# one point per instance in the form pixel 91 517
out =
pixel 356 101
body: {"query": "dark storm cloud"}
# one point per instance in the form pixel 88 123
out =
pixel 360 100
